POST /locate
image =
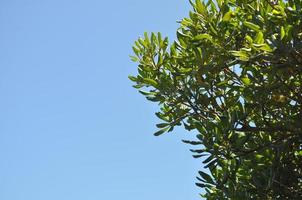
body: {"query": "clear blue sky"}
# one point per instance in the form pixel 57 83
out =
pixel 71 125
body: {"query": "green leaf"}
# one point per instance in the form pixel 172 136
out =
pixel 201 185
pixel 134 58
pixel 199 155
pixel 150 82
pixel 147 40
pixel 251 26
pixel 259 38
pixel 136 51
pixel 153 39
pixel 146 93
pixel 227 16
pixel 138 86
pixel 206 177
pixel 249 39
pixel 298 153
pixel 259 156
pixel 191 142
pixel 242 55
pixel 153 98
pixel 180 34
pixel 162 125
pixel 208 159
pixel 161 131
pixel 132 78
pixel 246 80
pixel 202 37
pixel 197 150
pixel 159 38
pixel 211 164
pixel 289 32
pixel 282 32
pixel 263 47
pixel 223 83
pixel 200 7
pixel 185 70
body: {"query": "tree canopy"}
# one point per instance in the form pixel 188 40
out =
pixel 234 74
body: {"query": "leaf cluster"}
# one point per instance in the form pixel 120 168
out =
pixel 234 74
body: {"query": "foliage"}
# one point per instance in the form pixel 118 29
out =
pixel 234 74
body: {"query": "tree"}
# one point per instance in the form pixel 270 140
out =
pixel 234 74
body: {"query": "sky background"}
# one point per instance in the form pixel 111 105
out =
pixel 71 125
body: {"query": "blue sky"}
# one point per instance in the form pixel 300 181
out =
pixel 71 125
